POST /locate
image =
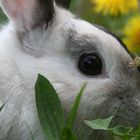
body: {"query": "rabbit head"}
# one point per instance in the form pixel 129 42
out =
pixel 44 37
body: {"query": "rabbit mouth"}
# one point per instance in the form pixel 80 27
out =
pixel 127 114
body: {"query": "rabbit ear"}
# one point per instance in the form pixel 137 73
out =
pixel 64 3
pixel 28 13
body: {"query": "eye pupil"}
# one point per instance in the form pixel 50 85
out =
pixel 90 64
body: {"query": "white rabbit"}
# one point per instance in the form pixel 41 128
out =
pixel 42 37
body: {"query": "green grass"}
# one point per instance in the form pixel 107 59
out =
pixel 51 114
pixel 55 126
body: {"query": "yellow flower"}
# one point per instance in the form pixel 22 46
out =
pixel 115 7
pixel 132 34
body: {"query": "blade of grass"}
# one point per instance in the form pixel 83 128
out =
pixel 67 134
pixel 72 115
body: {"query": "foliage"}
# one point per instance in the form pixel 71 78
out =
pixel 50 111
pixel 123 133
pixel 55 126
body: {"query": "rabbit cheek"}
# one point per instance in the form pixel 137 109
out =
pixel 127 113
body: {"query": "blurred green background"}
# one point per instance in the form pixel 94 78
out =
pixel 2 16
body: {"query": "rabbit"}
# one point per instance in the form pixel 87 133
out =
pixel 43 36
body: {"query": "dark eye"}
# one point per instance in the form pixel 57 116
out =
pixel 90 64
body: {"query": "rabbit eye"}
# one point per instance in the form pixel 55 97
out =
pixel 90 64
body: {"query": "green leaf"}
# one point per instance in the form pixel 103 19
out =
pixel 121 130
pixel 67 134
pixel 49 109
pixel 100 124
pixel 72 115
